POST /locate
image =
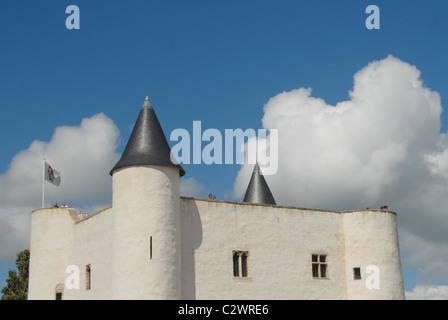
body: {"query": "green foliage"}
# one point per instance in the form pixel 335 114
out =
pixel 17 282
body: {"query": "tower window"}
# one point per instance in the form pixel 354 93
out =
pixel 59 291
pixel 150 248
pixel 319 266
pixel 88 277
pixel 357 273
pixel 240 264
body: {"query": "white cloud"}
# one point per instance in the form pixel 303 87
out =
pixel 190 187
pixel 82 154
pixel 381 147
pixel 428 255
pixel 421 292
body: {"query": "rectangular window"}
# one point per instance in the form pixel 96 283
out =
pixel 319 266
pixel 236 264
pixel 357 273
pixel 240 264
pixel 88 277
pixel 150 248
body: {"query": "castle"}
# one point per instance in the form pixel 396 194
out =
pixel 154 244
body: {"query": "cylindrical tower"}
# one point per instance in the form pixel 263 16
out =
pixel 146 215
pixel 50 233
pixel 372 258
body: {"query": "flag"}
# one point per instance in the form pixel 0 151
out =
pixel 51 175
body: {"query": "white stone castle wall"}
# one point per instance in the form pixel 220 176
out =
pixel 50 233
pixel 280 242
pixel 90 244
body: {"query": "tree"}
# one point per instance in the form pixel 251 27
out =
pixel 17 283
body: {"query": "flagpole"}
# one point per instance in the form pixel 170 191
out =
pixel 43 182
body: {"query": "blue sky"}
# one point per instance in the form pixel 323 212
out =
pixel 215 61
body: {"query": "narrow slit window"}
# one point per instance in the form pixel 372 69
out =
pixel 150 248
pixel 88 277
pixel 236 267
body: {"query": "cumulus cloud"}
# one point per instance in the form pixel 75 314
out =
pixel 422 292
pixel 382 146
pixel 82 154
pixel 190 187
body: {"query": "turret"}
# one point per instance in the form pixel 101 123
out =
pixel 372 255
pixel 147 144
pixel 258 190
pixel 146 215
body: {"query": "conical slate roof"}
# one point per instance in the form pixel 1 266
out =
pixel 147 144
pixel 258 190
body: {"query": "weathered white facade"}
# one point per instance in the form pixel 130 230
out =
pixel 280 242
pixel 153 244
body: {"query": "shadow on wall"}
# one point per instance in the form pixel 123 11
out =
pixel 191 239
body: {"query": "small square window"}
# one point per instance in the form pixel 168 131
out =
pixel 357 273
